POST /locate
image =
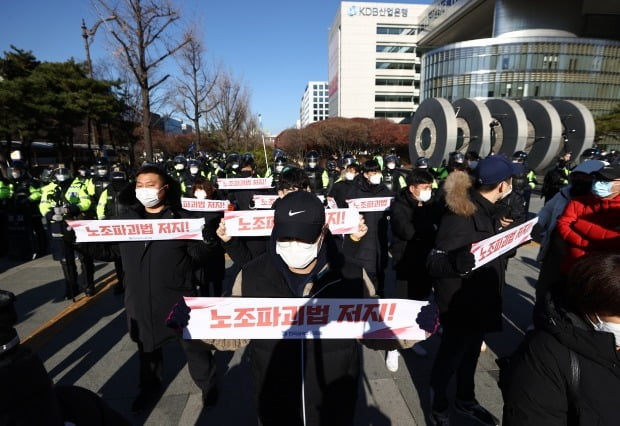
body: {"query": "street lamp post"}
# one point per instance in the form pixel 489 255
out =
pixel 87 35
pixel 262 135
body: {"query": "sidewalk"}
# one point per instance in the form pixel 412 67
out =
pixel 86 344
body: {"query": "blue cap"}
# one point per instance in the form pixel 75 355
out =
pixel 495 169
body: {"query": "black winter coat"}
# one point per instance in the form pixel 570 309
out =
pixel 330 367
pixel 157 275
pixel 472 302
pixel 372 250
pixel 538 393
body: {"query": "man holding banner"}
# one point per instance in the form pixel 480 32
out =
pixel 311 381
pixel 158 272
pixel 468 295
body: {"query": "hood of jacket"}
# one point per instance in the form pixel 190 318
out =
pixel 574 332
pixel 457 188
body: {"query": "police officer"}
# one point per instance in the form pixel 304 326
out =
pixel 279 166
pixel 180 172
pixel 525 182
pixel 232 164
pixel 27 238
pixel 195 173
pixel 392 177
pixel 66 198
pixel 317 175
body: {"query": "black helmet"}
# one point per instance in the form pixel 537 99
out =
pixel 392 159
pixel 332 165
pixel 456 160
pixel 591 154
pixel 247 159
pixel 520 156
pixel 61 174
pixel 233 159
pixel 179 162
pixel 348 159
pixel 193 165
pixel 312 159
pixel 102 166
pixel 46 175
pixel 281 161
pixel 421 163
pixel 118 176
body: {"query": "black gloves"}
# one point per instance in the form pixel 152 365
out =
pixel 68 235
pixel 73 209
pixel 178 317
pixel 463 262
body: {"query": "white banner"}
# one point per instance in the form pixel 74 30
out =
pixel 253 223
pixel 301 318
pixel 194 204
pixel 264 201
pixel 90 231
pixel 495 246
pixel 244 183
pixel 377 204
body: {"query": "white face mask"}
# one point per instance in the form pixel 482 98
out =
pixel 608 327
pixel 193 170
pixel 16 175
pixel 375 179
pixel 349 176
pixel 102 173
pixel 149 197
pixel 425 195
pixel 507 193
pixel 312 164
pixel 179 166
pixel 201 195
pixel 235 165
pixel 279 169
pixel 391 166
pixel 297 254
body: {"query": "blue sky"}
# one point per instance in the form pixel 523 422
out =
pixel 274 47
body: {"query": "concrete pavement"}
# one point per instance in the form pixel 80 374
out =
pixel 86 343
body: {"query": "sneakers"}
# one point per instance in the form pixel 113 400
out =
pixel 419 350
pixel 477 412
pixel 391 360
pixel 440 418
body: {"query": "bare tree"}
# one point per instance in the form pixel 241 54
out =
pixel 142 31
pixel 232 106
pixel 194 87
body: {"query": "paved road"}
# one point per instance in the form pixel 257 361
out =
pixel 86 343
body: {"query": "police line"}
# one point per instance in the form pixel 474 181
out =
pixel 302 318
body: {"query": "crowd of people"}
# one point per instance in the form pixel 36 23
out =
pixel 426 236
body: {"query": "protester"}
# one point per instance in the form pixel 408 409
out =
pixel 566 372
pixel 552 246
pixel 157 274
pixel 341 187
pixel 297 382
pixel 592 223
pixel 29 397
pixel 211 272
pixel 470 302
pixel 414 221
pixel 372 252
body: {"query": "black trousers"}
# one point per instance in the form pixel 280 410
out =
pixel 458 355
pixel 199 361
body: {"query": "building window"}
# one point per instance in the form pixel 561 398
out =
pixel 393 98
pixel 394 82
pixel 397 30
pixel 392 114
pixel 387 48
pixel 394 65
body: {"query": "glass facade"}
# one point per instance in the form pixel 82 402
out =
pixel 584 70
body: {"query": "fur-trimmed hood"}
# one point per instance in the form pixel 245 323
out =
pixel 457 187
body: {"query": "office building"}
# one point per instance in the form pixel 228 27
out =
pixel 314 103
pixel 374 67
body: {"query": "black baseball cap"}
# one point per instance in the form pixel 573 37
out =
pixel 299 215
pixel 609 172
